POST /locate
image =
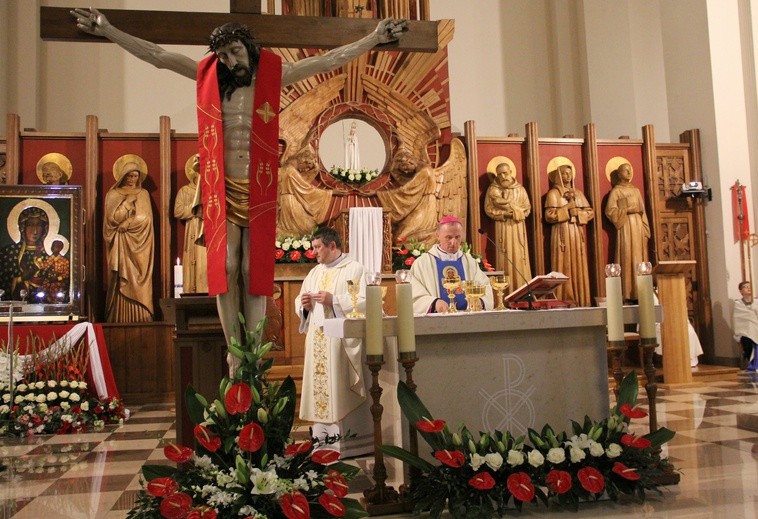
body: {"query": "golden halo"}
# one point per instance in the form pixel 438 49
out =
pixel 496 161
pixel 614 163
pixel 557 162
pixel 60 160
pixel 126 159
pixel 189 171
pixel 54 222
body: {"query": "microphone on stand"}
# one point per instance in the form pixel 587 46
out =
pixel 508 259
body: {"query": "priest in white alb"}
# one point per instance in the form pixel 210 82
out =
pixel 333 385
pixel 444 259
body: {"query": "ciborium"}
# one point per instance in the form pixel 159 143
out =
pixel 354 288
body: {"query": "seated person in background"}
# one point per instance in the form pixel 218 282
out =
pixel 745 325
pixel 445 259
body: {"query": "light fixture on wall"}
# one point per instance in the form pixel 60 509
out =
pixel 696 190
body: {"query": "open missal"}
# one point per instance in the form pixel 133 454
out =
pixel 539 292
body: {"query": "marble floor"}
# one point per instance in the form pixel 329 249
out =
pixel 96 475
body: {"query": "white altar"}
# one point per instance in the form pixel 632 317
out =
pixel 506 370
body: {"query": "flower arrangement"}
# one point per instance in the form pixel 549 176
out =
pixel 484 476
pixel 55 407
pixel 405 252
pixel 483 263
pixel 291 249
pixel 246 464
pixel 354 176
pixel 50 395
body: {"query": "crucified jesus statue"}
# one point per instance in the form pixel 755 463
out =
pixel 239 86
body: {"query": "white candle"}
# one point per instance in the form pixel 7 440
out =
pixel 645 298
pixel 374 336
pixel 178 279
pixel 406 335
pixel 614 306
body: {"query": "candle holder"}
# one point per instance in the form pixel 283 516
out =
pixel 408 360
pixel 354 288
pixel 651 387
pixel 402 276
pixel 381 499
pixel 616 349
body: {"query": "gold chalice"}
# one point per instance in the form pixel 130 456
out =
pixel 354 288
pixel 451 283
pixel 499 283
pixel 474 291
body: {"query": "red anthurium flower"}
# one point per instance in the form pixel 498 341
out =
pixel 631 440
pixel 332 504
pixel 453 459
pixel 238 399
pixel 482 481
pixel 294 449
pixel 409 261
pixel 336 482
pixel 295 255
pixel 625 472
pixel 295 506
pixel 176 506
pixel 520 485
pixel 178 453
pixel 203 512
pixel 279 254
pixel 430 426
pixel 251 437
pixel 310 254
pixel 325 456
pixel 558 481
pixel 402 239
pixel 402 252
pixel 591 479
pixel 632 412
pixel 160 487
pixel 207 438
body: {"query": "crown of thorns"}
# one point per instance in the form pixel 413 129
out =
pixel 228 33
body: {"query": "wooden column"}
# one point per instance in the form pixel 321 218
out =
pixel 93 285
pixel 534 187
pixel 674 328
pixel 12 148
pixel 472 176
pixel 164 209
pixel 595 227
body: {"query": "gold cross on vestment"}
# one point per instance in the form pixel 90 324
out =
pixel 266 112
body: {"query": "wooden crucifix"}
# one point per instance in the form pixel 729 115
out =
pixel 189 28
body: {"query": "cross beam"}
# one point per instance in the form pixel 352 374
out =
pixel 185 28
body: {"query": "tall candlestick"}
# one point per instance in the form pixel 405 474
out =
pixel 178 279
pixel 374 336
pixel 614 306
pixel 645 298
pixel 406 334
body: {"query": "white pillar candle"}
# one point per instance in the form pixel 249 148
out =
pixel 406 334
pixel 178 279
pixel 374 337
pixel 645 298
pixel 614 306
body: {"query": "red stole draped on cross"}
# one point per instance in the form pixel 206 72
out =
pixel 739 212
pixel 263 174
